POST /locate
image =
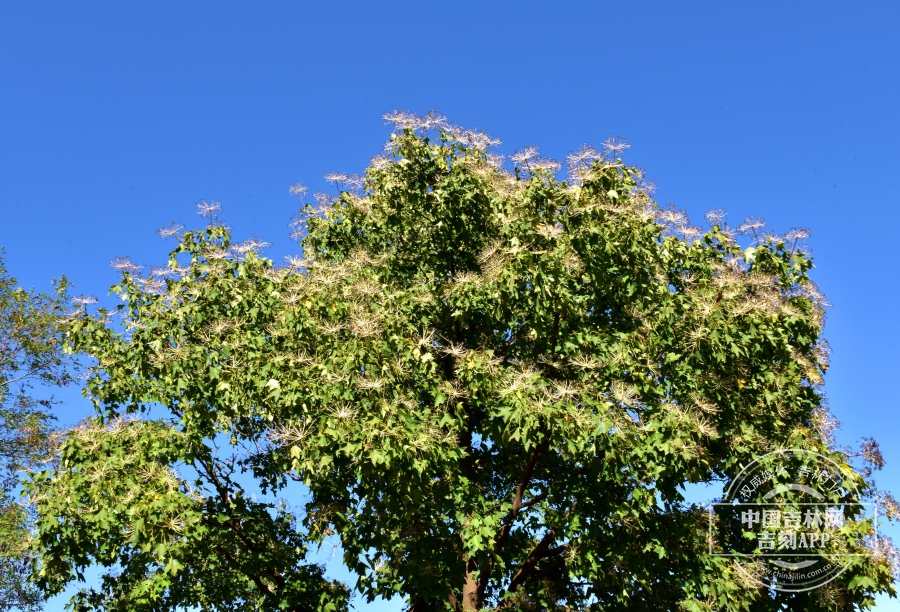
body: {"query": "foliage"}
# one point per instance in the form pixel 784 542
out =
pixel 124 506
pixel 493 383
pixel 30 351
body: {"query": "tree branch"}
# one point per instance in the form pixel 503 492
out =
pixel 262 586
pixel 234 523
pixel 534 501
pixel 524 481
pixel 555 564
pixel 454 602
pixel 539 552
pixel 555 335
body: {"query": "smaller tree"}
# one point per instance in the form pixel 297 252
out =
pixel 30 352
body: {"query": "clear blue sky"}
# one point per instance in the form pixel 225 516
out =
pixel 116 117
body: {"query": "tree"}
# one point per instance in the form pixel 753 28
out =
pixel 31 350
pixel 493 383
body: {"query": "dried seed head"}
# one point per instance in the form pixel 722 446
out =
pixel 209 209
pixel 298 190
pixel 615 146
pixel 125 264
pixel 173 229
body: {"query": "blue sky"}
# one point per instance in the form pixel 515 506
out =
pixel 116 117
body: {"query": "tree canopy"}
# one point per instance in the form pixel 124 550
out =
pixel 493 382
pixel 31 351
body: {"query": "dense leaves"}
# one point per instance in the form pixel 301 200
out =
pixel 494 385
pixel 116 500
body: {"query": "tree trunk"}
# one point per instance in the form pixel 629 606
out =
pixel 471 598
